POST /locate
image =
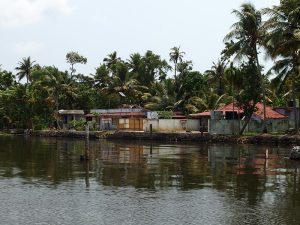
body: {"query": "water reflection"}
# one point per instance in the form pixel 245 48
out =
pixel 143 165
pixel 240 177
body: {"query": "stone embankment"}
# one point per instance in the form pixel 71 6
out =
pixel 163 136
pixel 174 137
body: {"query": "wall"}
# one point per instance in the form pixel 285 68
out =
pixel 171 125
pixel 222 126
pixel 290 113
pixel 226 126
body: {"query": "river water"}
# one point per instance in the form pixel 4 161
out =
pixel 43 181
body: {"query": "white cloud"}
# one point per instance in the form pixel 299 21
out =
pixel 28 48
pixel 15 13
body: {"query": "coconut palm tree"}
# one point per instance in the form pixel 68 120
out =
pixel 123 83
pixel 110 61
pixel 243 42
pixel 56 83
pixel 158 98
pixel 283 43
pixel 176 56
pixel 25 68
pixel 207 100
pixel 217 75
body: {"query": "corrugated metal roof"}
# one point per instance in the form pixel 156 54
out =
pixel 119 110
pixel 121 114
pixel 71 112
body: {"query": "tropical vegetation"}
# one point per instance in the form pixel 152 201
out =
pixel 32 96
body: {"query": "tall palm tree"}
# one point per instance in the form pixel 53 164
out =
pixel 244 40
pixel 122 82
pixel 176 56
pixel 158 98
pixel 134 62
pixel 208 100
pixel 283 43
pixel 25 68
pixel 110 61
pixel 217 74
pixel 56 84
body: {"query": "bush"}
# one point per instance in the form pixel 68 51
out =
pixel 77 124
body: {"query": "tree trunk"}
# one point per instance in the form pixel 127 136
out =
pixel 248 120
pixel 175 70
pixel 57 115
pixel 245 125
pixel 295 108
pixel 265 130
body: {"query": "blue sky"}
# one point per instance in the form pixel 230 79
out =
pixel 47 29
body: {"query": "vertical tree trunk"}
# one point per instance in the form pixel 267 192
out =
pixel 295 108
pixel 245 125
pixel 233 110
pixel 265 130
pixel 57 114
pixel 247 120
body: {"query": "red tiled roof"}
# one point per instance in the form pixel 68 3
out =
pixel 270 113
pixel 229 108
pixel 203 114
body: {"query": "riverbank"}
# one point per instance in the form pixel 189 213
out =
pixel 173 137
pixel 166 137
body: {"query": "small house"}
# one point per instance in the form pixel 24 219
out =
pixel 230 118
pixel 68 117
pixel 118 119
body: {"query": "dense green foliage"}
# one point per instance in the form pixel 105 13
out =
pixel 170 84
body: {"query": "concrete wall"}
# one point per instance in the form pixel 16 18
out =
pixel 193 124
pixel 222 126
pixel 171 125
pixel 226 126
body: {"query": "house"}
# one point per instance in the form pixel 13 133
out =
pixel 290 113
pixel 121 118
pixel 202 119
pixel 230 118
pixel 67 117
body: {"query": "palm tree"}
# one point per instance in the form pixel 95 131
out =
pixel 111 61
pixel 176 56
pixel 283 43
pixel 244 40
pixel 158 98
pixel 122 82
pixel 56 84
pixel 217 74
pixel 207 100
pixel 25 68
pixel 134 62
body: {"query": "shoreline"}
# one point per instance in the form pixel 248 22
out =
pixel 287 139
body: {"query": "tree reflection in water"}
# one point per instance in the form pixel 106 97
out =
pixel 239 171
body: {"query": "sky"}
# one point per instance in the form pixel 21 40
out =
pixel 46 30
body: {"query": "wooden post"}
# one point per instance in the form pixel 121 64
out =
pixel 151 130
pixel 87 139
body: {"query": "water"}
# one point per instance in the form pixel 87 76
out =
pixel 42 181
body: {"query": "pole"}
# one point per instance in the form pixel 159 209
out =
pixel 87 139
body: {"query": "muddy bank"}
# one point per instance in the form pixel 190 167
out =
pixel 174 137
pixel 272 139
